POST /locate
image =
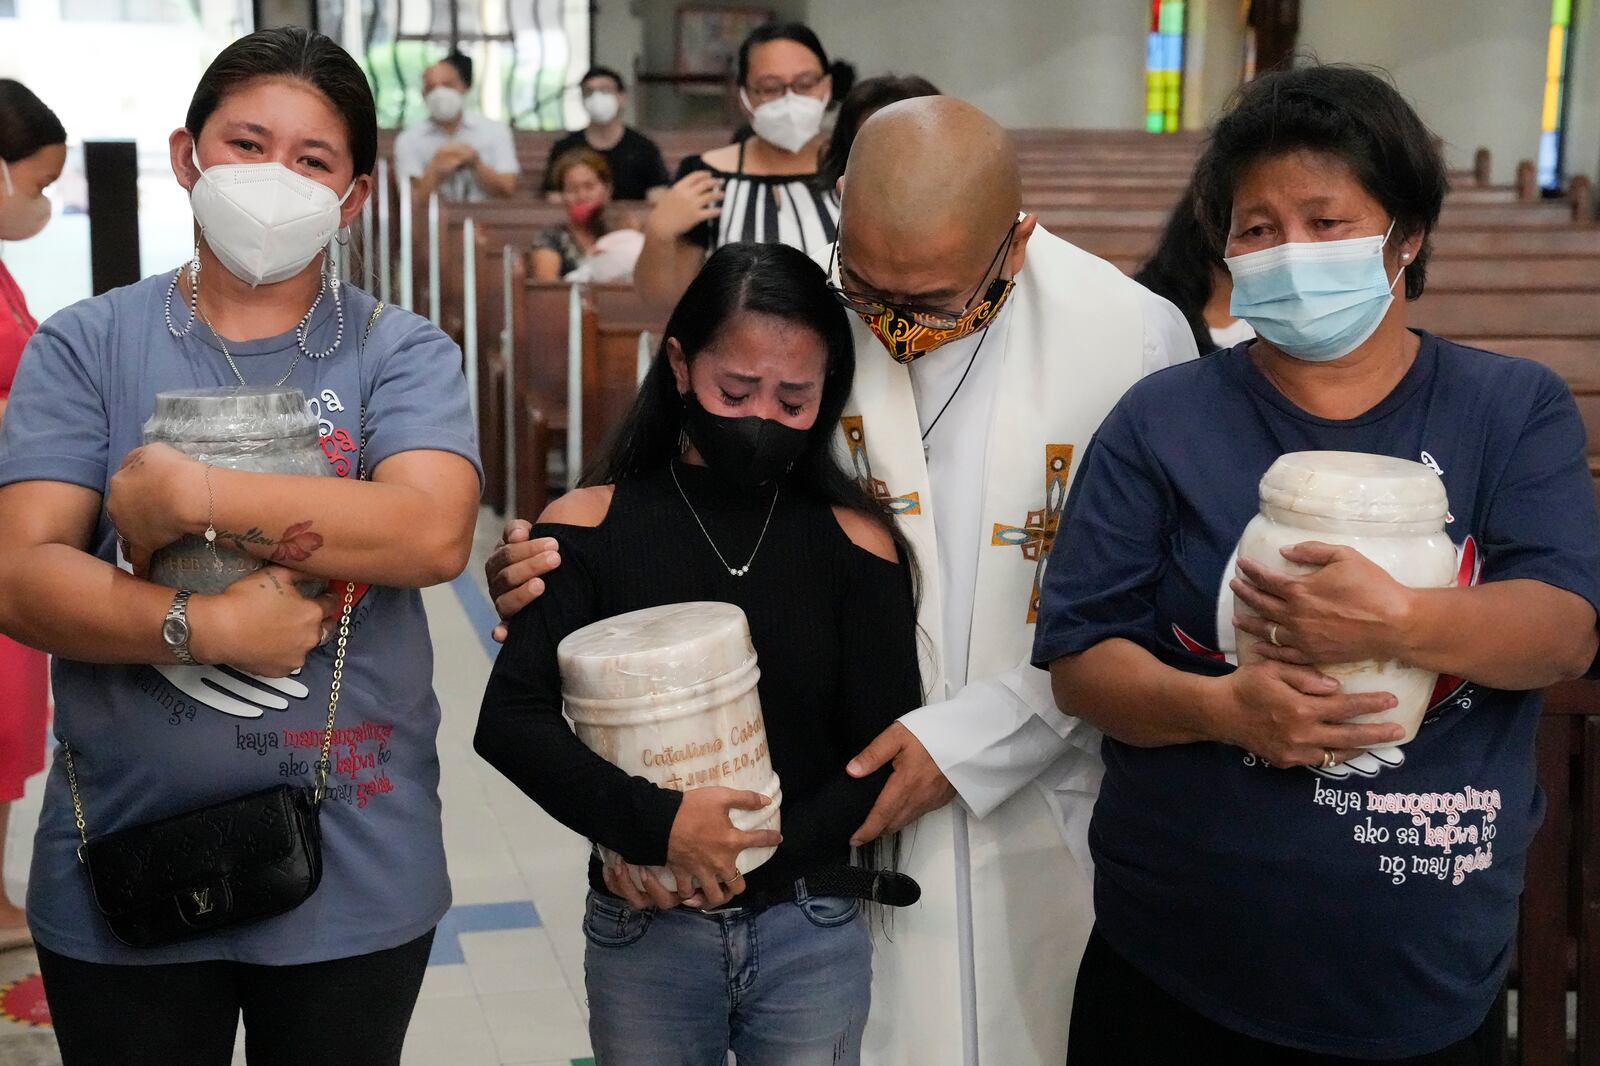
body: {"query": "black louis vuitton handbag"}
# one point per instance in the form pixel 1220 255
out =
pixel 223 865
pixel 218 866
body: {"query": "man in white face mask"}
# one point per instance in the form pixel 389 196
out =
pixel 458 153
pixel 637 169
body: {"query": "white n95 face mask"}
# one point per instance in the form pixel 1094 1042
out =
pixel 602 107
pixel 789 122
pixel 444 104
pixel 262 220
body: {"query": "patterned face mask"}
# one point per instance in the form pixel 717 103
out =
pixel 906 338
pixel 910 332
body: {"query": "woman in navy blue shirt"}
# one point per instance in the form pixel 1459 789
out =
pixel 1265 890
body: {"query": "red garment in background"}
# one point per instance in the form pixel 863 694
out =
pixel 24 673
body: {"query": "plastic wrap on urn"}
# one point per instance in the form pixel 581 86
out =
pixel 260 429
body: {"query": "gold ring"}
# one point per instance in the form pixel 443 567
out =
pixel 1328 761
pixel 1272 635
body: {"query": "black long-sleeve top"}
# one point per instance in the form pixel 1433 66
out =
pixel 834 629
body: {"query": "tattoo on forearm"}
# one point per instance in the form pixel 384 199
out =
pixel 253 535
pixel 297 544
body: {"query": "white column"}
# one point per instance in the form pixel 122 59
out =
pixel 433 259
pixel 508 257
pixel 574 384
pixel 406 294
pixel 385 274
pixel 469 309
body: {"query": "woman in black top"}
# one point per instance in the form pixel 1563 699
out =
pixel 761 189
pixel 722 485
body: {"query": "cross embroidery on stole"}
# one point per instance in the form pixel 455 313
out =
pixel 1036 536
pixel 855 435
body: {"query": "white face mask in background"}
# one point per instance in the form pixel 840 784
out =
pixel 444 104
pixel 602 107
pixel 789 122
pixel 262 220
pixel 21 217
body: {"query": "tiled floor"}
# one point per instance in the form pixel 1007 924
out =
pixel 505 984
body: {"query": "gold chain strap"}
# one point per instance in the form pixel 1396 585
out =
pixel 77 801
pixel 333 690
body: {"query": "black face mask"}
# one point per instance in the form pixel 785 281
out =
pixel 746 452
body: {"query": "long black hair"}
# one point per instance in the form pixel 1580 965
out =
pixel 859 104
pixel 294 52
pixel 766 279
pixel 1181 269
pixel 26 124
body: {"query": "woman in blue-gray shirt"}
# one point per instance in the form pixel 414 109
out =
pixel 1264 891
pixel 277 154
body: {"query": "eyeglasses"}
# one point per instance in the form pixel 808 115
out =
pixel 927 317
pixel 771 88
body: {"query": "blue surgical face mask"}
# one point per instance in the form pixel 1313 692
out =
pixel 1316 300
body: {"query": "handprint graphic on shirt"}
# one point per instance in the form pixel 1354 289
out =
pixel 224 689
pixel 233 691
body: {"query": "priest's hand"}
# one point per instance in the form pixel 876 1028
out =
pixel 516 570
pixel 915 787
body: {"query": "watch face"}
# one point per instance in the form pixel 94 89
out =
pixel 175 631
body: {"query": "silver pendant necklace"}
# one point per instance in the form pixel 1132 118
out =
pixel 734 571
pixel 229 355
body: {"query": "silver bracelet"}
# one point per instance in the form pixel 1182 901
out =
pixel 211 516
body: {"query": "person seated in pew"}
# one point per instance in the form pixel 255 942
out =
pixel 1266 890
pixel 863 101
pixel 1188 270
pixel 590 236
pixel 723 484
pixel 637 170
pixel 762 189
pixel 456 152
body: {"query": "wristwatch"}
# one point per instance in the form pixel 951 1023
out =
pixel 175 629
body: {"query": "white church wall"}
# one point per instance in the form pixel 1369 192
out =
pixel 1474 69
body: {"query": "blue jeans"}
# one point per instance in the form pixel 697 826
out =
pixel 787 986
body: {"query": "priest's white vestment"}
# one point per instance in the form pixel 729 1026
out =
pixel 974 447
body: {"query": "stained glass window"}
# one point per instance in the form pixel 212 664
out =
pixel 1555 78
pixel 527 56
pixel 1163 78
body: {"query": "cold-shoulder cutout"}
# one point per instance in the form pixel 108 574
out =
pixel 580 507
pixel 866 534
